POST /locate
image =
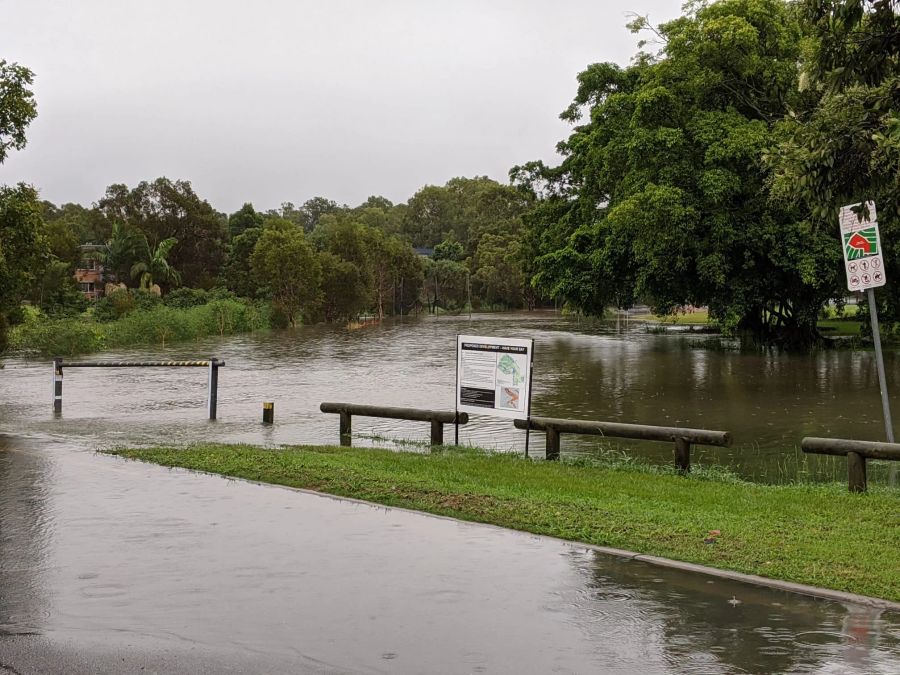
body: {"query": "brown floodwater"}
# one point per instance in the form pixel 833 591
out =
pixel 115 566
pixel 768 400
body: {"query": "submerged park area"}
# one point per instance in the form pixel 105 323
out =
pixel 609 399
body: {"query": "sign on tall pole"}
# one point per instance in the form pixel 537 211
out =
pixel 864 264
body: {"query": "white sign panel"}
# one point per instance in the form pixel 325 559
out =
pixel 863 258
pixel 493 376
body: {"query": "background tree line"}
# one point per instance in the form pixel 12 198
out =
pixel 709 171
pixel 317 262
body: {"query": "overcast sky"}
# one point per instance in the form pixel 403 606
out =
pixel 281 100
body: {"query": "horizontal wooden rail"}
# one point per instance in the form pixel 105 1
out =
pixel 857 453
pixel 437 418
pixel 683 438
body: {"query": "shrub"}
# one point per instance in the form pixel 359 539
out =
pixel 114 306
pixel 145 300
pixel 62 337
pixel 183 298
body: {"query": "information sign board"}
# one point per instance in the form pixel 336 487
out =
pixel 493 376
pixel 863 259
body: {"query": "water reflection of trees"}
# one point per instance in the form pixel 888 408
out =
pixel 711 625
pixel 768 399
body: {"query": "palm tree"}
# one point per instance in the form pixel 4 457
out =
pixel 120 250
pixel 152 265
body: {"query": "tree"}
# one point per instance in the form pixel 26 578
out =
pixel 55 290
pixel 344 291
pixel 24 252
pixel 498 277
pixel 17 106
pixel 286 263
pixel 243 219
pixel 167 209
pixel 446 283
pixel 663 194
pixel 845 147
pixel 152 264
pixel 449 249
pixel 62 241
pixel 431 213
pixel 121 251
pixel 238 275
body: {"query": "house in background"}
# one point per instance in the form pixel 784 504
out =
pixel 90 274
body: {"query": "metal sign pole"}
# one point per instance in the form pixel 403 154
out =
pixel 879 362
pixel 456 397
pixel 528 418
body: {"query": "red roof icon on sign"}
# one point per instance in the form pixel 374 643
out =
pixel 860 242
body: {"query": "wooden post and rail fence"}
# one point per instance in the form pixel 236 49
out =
pixel 857 452
pixel 437 418
pixel 683 438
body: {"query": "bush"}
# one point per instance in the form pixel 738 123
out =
pixel 145 300
pixel 57 337
pixel 183 298
pixel 114 306
pixel 160 325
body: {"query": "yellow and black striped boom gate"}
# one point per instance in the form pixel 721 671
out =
pixel 212 364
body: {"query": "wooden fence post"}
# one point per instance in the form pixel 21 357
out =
pixel 683 455
pixel 345 428
pixel 856 472
pixel 437 432
pixel 552 435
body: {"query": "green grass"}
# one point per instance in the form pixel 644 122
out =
pixel 813 534
pixel 694 318
pixel 832 327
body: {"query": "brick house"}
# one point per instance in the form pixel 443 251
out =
pixel 90 275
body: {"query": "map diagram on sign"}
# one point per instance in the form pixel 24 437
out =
pixel 508 366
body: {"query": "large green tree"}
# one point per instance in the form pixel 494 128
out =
pixel 24 251
pixel 846 148
pixel 663 194
pixel 286 263
pixel 17 106
pixel 165 209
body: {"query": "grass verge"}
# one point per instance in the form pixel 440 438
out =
pixel 812 534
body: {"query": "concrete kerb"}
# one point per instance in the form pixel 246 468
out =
pixel 777 584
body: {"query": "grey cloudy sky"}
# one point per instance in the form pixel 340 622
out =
pixel 281 100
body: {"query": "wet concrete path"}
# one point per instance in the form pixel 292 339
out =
pixel 115 566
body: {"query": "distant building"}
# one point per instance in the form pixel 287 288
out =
pixel 424 251
pixel 90 273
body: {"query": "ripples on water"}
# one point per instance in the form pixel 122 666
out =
pixel 769 400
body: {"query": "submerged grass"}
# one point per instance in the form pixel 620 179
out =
pixel 813 534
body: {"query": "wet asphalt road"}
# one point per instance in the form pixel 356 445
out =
pixel 110 566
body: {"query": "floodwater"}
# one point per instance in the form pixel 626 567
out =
pixel 115 566
pixel 768 400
